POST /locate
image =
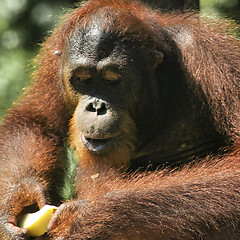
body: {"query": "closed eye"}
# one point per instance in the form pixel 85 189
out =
pixel 111 75
pixel 84 75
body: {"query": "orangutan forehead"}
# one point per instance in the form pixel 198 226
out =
pixel 95 33
pixel 96 39
pixel 117 22
pixel 93 42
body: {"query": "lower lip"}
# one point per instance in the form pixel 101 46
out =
pixel 96 146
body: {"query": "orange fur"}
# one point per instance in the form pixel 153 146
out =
pixel 199 200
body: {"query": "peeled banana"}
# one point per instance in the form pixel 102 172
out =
pixel 37 222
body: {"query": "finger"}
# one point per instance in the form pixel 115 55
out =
pixel 41 196
pixel 54 220
pixel 17 231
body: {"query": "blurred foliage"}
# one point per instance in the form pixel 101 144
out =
pixel 227 9
pixel 24 24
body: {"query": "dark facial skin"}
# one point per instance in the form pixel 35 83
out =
pixel 113 83
pixel 100 69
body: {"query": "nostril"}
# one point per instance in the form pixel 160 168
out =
pixel 97 106
pixel 90 108
pixel 102 109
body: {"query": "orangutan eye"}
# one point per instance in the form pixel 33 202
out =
pixel 111 76
pixel 84 75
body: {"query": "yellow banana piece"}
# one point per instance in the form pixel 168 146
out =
pixel 37 222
